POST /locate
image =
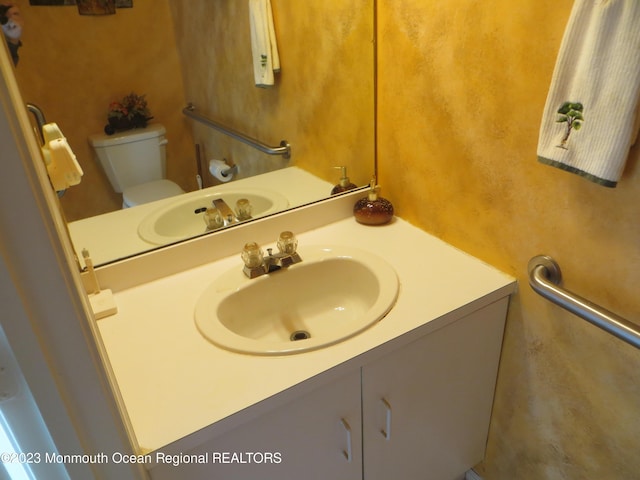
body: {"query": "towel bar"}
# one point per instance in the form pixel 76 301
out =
pixel 544 278
pixel 284 149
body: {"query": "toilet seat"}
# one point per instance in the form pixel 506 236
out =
pixel 149 192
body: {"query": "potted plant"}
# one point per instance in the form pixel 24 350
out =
pixel 131 112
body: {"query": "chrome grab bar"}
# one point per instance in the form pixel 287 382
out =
pixel 284 149
pixel 40 120
pixel 544 278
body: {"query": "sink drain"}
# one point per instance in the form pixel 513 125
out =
pixel 299 335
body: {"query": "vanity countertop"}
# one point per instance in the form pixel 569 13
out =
pixel 175 383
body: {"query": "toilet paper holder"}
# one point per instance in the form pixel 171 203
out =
pixel 222 171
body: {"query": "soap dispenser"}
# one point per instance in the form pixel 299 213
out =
pixel 373 209
pixel 345 184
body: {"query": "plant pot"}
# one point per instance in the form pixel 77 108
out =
pixel 125 123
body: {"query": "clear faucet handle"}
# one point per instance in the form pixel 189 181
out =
pixel 287 243
pixel 243 209
pixel 213 218
pixel 252 255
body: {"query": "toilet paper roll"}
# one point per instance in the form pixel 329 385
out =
pixel 217 167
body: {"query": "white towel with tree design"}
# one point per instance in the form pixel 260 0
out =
pixel 590 119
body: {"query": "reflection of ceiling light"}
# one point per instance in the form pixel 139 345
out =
pixel 17 470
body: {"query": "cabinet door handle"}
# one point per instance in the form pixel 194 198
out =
pixel 347 453
pixel 386 431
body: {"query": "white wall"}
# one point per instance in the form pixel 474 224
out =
pixel 44 315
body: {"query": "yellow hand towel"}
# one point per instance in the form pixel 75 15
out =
pixel 589 119
pixel 64 169
pixel 62 166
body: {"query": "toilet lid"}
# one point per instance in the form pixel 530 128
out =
pixel 149 192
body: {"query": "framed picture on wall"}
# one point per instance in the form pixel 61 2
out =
pixel 96 7
pixel 52 2
pixel 119 3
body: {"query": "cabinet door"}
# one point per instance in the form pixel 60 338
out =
pixel 426 407
pixel 315 437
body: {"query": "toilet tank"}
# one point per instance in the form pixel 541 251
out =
pixel 132 157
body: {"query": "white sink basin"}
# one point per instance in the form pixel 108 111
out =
pixel 183 217
pixel 333 294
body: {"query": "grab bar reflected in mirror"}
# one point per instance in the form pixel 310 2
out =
pixel 544 278
pixel 284 149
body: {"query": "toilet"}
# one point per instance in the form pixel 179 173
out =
pixel 135 163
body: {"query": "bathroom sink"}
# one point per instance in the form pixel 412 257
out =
pixel 333 294
pixel 182 217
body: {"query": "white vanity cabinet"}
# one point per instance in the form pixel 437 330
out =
pixel 314 437
pixel 420 411
pixel 426 406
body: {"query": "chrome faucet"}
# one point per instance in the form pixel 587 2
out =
pixel 40 120
pixel 257 264
pixel 220 214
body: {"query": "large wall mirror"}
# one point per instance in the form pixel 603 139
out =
pixel 176 52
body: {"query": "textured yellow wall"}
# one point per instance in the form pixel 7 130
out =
pixel 462 85
pixel 322 102
pixel 73 66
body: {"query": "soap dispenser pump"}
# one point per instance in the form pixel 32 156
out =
pixel 373 209
pixel 345 184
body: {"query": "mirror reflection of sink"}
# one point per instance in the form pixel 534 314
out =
pixel 333 294
pixel 183 217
